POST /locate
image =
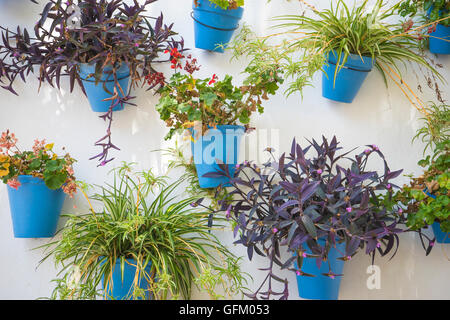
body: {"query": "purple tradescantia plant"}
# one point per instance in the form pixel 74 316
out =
pixel 302 197
pixel 107 33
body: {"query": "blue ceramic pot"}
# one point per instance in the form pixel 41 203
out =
pixel 440 40
pixel 221 143
pixel 122 289
pixel 214 26
pixel 441 237
pixel 96 93
pixel 321 287
pixel 349 79
pixel 35 208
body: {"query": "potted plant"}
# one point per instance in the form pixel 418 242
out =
pixel 37 182
pixel 215 22
pixel 426 200
pixel 324 208
pixel 437 22
pixel 106 47
pixel 215 112
pixel 345 43
pixel 137 248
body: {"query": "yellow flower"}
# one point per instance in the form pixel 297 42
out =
pixel 49 146
pixel 4 172
pixel 4 158
pixel 54 156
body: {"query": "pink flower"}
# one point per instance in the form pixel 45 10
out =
pixel 70 188
pixel 274 230
pixel 38 146
pixel 8 140
pixel 367 151
pixel 304 254
pixel 378 244
pixel 13 183
pixel 319 171
pixel 298 273
pixel 136 45
pixel 349 209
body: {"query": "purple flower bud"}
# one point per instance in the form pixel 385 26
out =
pixel 432 244
pixel 374 146
pixel 304 254
pixel 238 166
pixel 319 171
pixel 349 257
pixel 274 230
pixel 349 209
pixel 388 186
pixel 367 151
pixel 227 214
pixel 378 244
pixel 298 273
pixel 332 276
pixel 136 45
pixel 400 210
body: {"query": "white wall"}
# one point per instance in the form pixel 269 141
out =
pixel 378 115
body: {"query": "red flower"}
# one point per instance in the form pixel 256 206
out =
pixel 213 79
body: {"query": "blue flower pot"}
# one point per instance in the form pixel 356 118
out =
pixel 214 26
pixel 441 237
pixel 349 79
pixel 321 287
pixel 35 208
pixel 96 93
pixel 440 40
pixel 119 289
pixel 221 143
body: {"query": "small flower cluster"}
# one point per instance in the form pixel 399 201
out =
pixel 175 58
pixel 41 162
pixel 155 78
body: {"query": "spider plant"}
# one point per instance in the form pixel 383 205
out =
pixel 309 40
pixel 436 127
pixel 355 31
pixel 170 240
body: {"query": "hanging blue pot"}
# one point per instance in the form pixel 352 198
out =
pixel 214 26
pixel 441 237
pixel 221 143
pixel 349 79
pixel 122 289
pixel 440 40
pixel 321 287
pixel 35 208
pixel 96 92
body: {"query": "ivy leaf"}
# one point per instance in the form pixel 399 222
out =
pixel 56 180
pixel 208 98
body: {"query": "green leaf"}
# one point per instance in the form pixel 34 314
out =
pixel 208 98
